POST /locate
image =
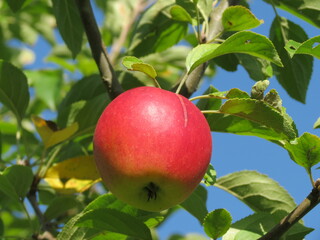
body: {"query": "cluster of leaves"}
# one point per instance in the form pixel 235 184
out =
pixel 49 163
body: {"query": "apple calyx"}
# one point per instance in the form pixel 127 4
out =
pixel 152 190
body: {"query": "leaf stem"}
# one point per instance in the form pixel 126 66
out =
pixel 206 97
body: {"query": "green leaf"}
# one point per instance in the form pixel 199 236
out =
pixel 189 236
pixel 307 10
pixel 311 47
pixel 259 88
pixel 47 85
pixel 156 32
pixel 296 73
pixel 217 223
pixel 135 64
pixel 257 191
pixel 20 177
pixel 196 204
pixel 317 123
pixel 305 150
pixel 178 13
pixel 70 231
pixel 8 189
pixel 261 113
pixel 1 227
pixel 257 68
pixel 242 42
pixel 84 104
pixel 238 18
pixel 14 91
pixel 15 5
pixel 69 24
pixel 59 206
pixel 114 221
pixel 210 177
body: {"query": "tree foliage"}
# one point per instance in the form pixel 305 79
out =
pixel 49 187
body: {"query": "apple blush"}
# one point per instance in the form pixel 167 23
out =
pixel 152 148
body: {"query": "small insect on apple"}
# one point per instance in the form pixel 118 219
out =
pixel 152 148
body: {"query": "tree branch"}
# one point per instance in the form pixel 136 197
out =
pixel 312 200
pixel 215 29
pixel 98 49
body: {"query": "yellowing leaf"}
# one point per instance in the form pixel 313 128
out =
pixel 71 186
pixel 49 133
pixel 73 175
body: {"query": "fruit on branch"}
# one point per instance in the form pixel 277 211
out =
pixel 152 148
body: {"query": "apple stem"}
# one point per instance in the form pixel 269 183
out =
pixel 152 191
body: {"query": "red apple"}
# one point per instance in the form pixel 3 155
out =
pixel 152 148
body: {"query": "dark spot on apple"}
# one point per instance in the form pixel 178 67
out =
pixel 152 190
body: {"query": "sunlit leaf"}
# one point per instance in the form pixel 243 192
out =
pixel 73 175
pixel 14 92
pixel 242 42
pixel 217 223
pixel 135 64
pixel 238 18
pixel 210 177
pixel 311 47
pixel 305 150
pixel 178 13
pixel 247 185
pixel 317 123
pixel 82 167
pixel 51 136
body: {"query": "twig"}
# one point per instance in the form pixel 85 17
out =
pixel 215 29
pixel 312 200
pixel 98 49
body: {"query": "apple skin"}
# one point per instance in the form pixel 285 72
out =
pixel 152 148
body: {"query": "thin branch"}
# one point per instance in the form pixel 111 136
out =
pixel 98 49
pixel 215 29
pixel 312 200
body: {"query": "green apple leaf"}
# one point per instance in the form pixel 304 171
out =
pixel 8 190
pixel 178 13
pixel 114 221
pixel 317 123
pixel 311 47
pixel 242 42
pixel 238 18
pixel 257 68
pixel 296 73
pixel 217 223
pixel 69 24
pixel 307 10
pixel 135 64
pixel 305 150
pixel 257 191
pixel 48 91
pixel 155 31
pixel 61 205
pixel 196 204
pixel 259 112
pixel 15 5
pixel 20 177
pixel 210 177
pixel 189 236
pixel 14 92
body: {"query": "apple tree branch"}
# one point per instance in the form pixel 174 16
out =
pixel 98 48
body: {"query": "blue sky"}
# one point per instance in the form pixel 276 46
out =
pixel 234 153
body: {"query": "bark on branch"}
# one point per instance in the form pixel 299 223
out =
pixel 98 49
pixel 312 200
